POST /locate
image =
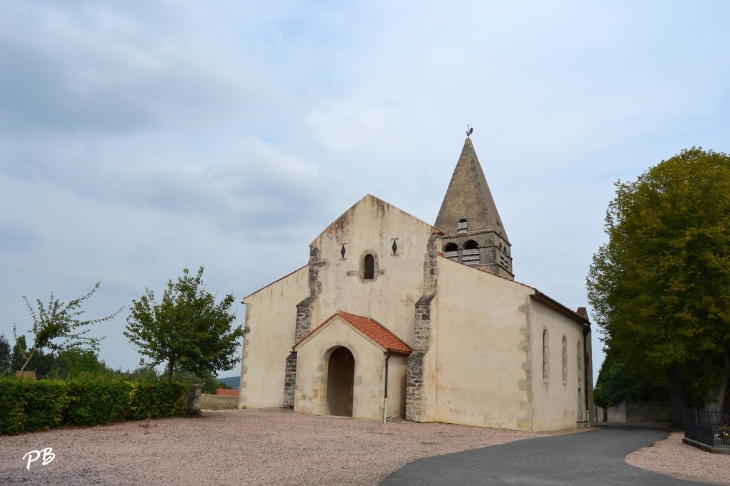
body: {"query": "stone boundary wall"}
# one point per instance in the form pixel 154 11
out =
pixel 218 402
pixel 630 412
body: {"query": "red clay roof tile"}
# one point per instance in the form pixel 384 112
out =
pixel 371 328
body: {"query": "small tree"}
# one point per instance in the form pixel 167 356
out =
pixel 59 320
pixel 187 329
pixel 5 355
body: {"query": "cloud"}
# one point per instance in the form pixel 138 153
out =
pixel 347 125
pixel 105 70
pixel 18 237
pixel 253 187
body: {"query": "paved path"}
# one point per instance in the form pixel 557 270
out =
pixel 591 458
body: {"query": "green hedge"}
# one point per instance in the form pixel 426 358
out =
pixel 28 405
pixel 31 405
pixel 97 402
pixel 158 400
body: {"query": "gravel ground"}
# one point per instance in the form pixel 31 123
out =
pixel 671 456
pixel 225 447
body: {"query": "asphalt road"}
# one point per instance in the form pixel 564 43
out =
pixel 591 458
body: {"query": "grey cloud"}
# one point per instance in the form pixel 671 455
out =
pixel 35 95
pixel 17 237
pixel 111 72
pixel 254 188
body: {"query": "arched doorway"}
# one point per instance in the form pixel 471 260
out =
pixel 340 381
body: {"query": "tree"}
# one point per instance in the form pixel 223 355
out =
pixel 660 287
pixel 186 330
pixel 59 320
pixel 5 355
pixel 75 362
pixel 39 362
pixel 616 384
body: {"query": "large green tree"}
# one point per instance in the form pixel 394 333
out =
pixel 57 326
pixel 186 329
pixel 660 287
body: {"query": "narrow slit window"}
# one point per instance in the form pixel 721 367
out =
pixel 368 267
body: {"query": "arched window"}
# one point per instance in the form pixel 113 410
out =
pixel 462 226
pixel 565 359
pixel 451 251
pixel 545 356
pixel 470 255
pixel 368 267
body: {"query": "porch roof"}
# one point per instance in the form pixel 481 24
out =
pixel 370 328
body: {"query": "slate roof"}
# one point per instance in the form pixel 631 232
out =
pixel 370 328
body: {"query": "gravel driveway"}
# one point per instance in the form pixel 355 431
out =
pixel 226 447
pixel 671 456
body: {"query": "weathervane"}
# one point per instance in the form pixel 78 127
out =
pixel 469 131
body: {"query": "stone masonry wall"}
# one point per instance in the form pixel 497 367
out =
pixel 526 385
pixel 415 371
pixel 290 380
pixel 303 324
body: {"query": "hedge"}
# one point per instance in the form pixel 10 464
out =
pixel 28 405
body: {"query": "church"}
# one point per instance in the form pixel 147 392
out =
pixel 394 317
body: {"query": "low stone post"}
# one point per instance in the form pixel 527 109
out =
pixel 193 399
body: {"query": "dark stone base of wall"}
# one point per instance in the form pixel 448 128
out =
pixel 290 380
pixel 705 447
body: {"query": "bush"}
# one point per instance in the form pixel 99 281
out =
pixel 27 406
pixel 11 418
pixel 158 400
pixel 31 405
pixel 97 401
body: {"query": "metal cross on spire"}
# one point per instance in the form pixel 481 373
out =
pixel 469 131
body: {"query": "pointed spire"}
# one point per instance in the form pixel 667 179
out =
pixel 468 196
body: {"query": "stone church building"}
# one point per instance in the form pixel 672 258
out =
pixel 392 316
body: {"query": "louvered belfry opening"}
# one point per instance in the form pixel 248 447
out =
pixel 451 251
pixel 470 254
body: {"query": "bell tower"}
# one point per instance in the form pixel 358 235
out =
pixel 473 231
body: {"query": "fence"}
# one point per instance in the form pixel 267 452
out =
pixel 709 428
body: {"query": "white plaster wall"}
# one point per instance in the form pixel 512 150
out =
pixel 556 404
pixel 369 227
pixel 271 318
pixel 312 359
pixel 475 344
pixel 397 368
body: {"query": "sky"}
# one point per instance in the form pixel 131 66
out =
pixel 141 138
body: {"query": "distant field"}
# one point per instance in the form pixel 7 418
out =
pixel 232 381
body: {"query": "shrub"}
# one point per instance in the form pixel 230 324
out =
pixel 97 401
pixel 11 418
pixel 31 405
pixel 158 400
pixel 27 406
